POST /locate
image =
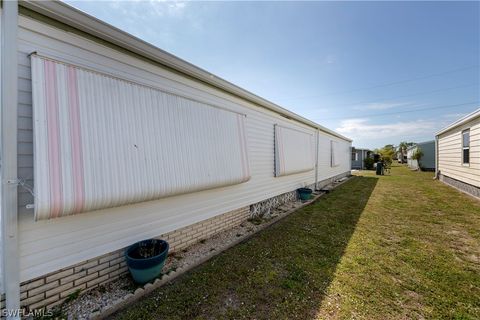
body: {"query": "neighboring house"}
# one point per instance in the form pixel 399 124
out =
pixel 458 154
pixel 427 161
pixel 130 143
pixel 358 157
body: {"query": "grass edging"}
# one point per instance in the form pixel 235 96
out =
pixel 149 287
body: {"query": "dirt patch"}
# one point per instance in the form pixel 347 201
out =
pixel 465 247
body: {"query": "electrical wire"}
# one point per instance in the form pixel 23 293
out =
pixel 405 111
pixel 387 84
pixel 406 95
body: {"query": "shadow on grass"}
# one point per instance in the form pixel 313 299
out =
pixel 282 272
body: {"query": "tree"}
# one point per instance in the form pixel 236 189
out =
pixel 389 146
pixel 403 149
pixel 386 154
pixel 403 146
pixel 418 154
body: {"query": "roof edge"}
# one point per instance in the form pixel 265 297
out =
pixel 417 144
pixel 367 149
pixel 80 20
pixel 460 121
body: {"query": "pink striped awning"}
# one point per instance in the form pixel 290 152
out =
pixel 101 141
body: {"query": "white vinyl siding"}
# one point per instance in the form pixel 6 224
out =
pixel 325 169
pixel 49 245
pixel 450 153
pixel 334 153
pixel 412 163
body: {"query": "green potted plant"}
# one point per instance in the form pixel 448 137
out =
pixel 145 259
pixel 304 193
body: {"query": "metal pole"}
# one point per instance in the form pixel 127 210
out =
pixel 9 96
pixel 436 158
pixel 316 160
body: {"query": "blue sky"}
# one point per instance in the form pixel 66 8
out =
pixel 361 68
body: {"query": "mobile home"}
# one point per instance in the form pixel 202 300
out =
pixel 358 157
pixel 427 161
pixel 108 140
pixel 458 154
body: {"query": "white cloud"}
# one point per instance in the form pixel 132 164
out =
pixel 171 8
pixel 153 8
pixel 151 20
pixel 362 129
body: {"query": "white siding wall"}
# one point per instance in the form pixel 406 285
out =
pixel 450 153
pixel 48 245
pixel 412 163
pixel 325 170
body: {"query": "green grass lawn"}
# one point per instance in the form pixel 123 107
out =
pixel 401 246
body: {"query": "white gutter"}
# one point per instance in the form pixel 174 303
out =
pixel 8 171
pixel 80 20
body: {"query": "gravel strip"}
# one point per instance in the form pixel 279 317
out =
pixel 106 295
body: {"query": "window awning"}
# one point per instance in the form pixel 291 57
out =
pixel 294 151
pixel 102 141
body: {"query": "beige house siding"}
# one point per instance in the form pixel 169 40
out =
pixel 450 153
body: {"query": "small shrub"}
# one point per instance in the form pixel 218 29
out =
pixel 73 296
pixel 368 163
pixel 418 154
pixel 255 221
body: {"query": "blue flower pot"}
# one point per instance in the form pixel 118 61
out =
pixel 145 259
pixel 305 193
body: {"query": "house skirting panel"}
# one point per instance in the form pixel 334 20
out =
pixel 264 207
pixel 53 288
pixel 460 185
pixel 328 181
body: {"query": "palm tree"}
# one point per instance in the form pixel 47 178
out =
pixel 403 149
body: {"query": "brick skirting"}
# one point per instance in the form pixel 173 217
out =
pixel 53 288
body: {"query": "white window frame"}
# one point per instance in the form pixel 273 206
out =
pixel 466 131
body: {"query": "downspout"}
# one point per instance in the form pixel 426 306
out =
pixel 316 158
pixel 8 156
